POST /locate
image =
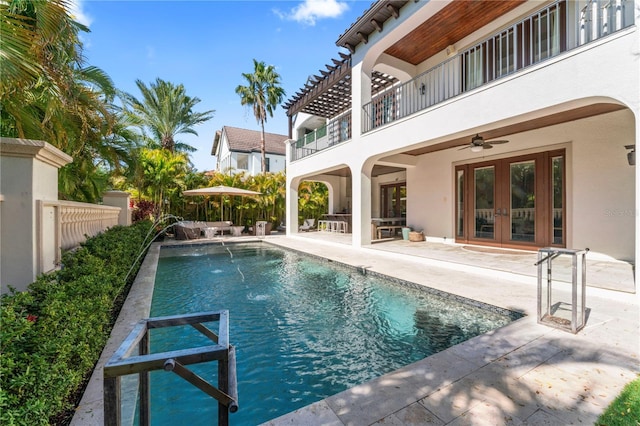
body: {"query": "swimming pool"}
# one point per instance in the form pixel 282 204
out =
pixel 304 328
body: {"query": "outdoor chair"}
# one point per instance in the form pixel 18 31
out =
pixel 186 231
pixel 308 225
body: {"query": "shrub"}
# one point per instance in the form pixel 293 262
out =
pixel 143 210
pixel 53 334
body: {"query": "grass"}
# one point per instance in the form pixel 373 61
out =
pixel 625 410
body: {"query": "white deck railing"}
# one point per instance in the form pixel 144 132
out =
pixel 543 35
pixel 63 225
pixel 334 132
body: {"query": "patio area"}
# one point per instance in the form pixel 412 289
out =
pixel 523 373
pixel 601 272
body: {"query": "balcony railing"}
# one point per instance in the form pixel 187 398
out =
pixel 334 132
pixel 542 35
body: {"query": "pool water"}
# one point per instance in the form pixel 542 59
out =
pixel 304 328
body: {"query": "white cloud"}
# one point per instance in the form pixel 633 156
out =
pixel 310 11
pixel 78 14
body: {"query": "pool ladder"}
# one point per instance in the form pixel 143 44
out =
pixel 121 364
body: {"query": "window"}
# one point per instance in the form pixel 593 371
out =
pixel 267 164
pixel 242 162
pixel 345 129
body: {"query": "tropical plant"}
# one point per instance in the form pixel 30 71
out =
pixel 272 201
pixel 234 208
pixel 262 93
pixel 163 175
pixel 48 93
pixel 313 200
pixel 40 50
pixel 165 111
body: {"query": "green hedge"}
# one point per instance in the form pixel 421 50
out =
pixel 52 335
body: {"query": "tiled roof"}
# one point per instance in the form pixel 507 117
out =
pixel 245 140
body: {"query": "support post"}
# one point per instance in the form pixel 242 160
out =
pixel 112 412
pixel 143 377
pixel 223 385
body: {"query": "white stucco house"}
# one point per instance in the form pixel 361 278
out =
pixel 239 150
pixel 401 126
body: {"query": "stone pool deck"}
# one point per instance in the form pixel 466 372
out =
pixel 523 373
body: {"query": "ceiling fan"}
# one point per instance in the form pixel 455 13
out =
pixel 478 143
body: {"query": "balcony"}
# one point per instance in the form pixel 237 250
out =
pixel 336 131
pixel 550 31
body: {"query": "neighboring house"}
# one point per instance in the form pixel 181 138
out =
pixel 396 129
pixel 239 150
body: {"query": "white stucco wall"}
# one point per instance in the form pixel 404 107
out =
pixel 28 173
pixel 603 189
pixel 600 183
pixel 606 71
pixel 276 163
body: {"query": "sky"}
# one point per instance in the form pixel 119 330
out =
pixel 207 45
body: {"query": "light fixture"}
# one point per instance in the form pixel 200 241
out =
pixel 423 89
pixel 631 155
pixel 477 143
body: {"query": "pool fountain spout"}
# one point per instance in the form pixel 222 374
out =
pixel 154 232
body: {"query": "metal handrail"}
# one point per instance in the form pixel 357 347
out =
pixel 122 363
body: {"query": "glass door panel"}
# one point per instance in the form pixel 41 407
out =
pixel 522 218
pixel 557 201
pixel 484 202
pixel 393 200
pixel 513 202
pixel 460 231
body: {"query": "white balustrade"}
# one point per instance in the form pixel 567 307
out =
pixel 81 220
pixel 64 225
pixel 486 214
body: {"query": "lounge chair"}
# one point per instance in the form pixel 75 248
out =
pixel 308 225
pixel 186 231
pixel 221 226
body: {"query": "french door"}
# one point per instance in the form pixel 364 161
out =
pixel 514 202
pixel 393 200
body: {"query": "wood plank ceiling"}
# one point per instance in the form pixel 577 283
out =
pixel 448 26
pixel 329 94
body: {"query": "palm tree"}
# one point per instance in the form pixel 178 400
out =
pixel 48 93
pixel 165 111
pixel 263 93
pixel 163 175
pixel 313 199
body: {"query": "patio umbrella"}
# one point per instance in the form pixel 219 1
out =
pixel 221 190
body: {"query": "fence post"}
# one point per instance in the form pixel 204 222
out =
pixel 112 414
pixel 28 173
pixel 119 199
